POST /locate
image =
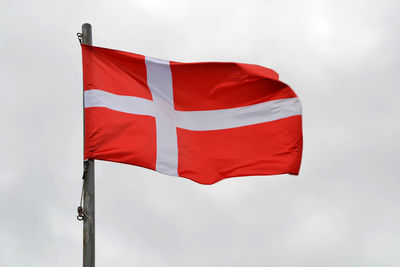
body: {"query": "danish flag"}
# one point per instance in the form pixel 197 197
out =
pixel 203 121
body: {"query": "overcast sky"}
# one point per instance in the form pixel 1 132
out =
pixel 340 56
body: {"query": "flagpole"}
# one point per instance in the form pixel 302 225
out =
pixel 88 184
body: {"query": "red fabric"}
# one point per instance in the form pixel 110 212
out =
pixel 203 156
pixel 114 71
pixel 120 137
pixel 224 85
pixel 112 135
pixel 262 149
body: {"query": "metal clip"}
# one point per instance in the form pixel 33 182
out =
pixel 81 214
pixel 79 37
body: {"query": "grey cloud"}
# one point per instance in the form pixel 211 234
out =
pixel 342 59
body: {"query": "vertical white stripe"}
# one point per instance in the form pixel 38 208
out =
pixel 159 81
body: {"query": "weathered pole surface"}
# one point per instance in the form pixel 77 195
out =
pixel 88 186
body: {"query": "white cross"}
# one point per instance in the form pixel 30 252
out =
pixel 159 81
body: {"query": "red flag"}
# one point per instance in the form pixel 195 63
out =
pixel 202 121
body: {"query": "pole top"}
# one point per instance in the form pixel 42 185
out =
pixel 87 34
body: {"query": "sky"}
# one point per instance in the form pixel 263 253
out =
pixel 341 58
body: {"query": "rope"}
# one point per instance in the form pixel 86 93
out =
pixel 81 211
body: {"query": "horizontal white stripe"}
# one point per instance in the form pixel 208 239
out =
pixel 127 104
pixel 199 120
pixel 237 117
